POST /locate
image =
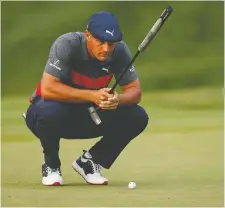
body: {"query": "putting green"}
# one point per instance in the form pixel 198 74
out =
pixel 177 161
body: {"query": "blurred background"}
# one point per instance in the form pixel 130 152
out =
pixel 187 52
pixel 182 77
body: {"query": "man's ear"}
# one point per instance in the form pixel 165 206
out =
pixel 87 34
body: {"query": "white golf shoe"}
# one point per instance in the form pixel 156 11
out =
pixel 90 171
pixel 51 177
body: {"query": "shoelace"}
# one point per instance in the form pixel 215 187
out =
pixel 51 170
pixel 96 168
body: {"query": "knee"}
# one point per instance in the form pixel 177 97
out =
pixel 140 117
pixel 136 118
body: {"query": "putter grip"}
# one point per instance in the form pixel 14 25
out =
pixel 155 28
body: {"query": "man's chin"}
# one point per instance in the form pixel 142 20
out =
pixel 102 58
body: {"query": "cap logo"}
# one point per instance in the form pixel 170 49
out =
pixel 111 33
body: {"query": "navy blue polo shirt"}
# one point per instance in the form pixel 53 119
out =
pixel 70 62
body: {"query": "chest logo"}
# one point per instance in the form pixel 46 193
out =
pixel 106 69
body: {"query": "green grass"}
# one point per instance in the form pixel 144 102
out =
pixel 177 161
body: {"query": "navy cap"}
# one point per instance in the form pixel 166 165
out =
pixel 104 26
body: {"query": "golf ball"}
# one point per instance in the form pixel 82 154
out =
pixel 131 185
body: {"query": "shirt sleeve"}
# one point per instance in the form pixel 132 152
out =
pixel 59 63
pixel 123 58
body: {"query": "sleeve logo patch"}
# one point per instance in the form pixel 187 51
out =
pixel 55 64
pixel 132 69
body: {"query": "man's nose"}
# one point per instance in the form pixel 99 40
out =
pixel 105 47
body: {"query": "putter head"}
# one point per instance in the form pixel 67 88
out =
pixel 94 115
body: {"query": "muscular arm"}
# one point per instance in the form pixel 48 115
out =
pixel 58 69
pixel 53 88
pixel 131 93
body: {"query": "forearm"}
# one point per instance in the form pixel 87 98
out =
pixel 61 92
pixel 130 96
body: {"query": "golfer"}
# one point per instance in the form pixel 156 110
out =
pixel 79 68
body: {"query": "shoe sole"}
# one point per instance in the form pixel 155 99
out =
pixel 105 182
pixel 54 184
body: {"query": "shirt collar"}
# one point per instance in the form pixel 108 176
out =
pixel 85 55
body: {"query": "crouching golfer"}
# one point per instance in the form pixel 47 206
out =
pixel 79 67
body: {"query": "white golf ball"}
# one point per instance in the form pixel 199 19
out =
pixel 131 185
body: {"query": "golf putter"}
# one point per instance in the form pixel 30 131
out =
pixel 141 48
